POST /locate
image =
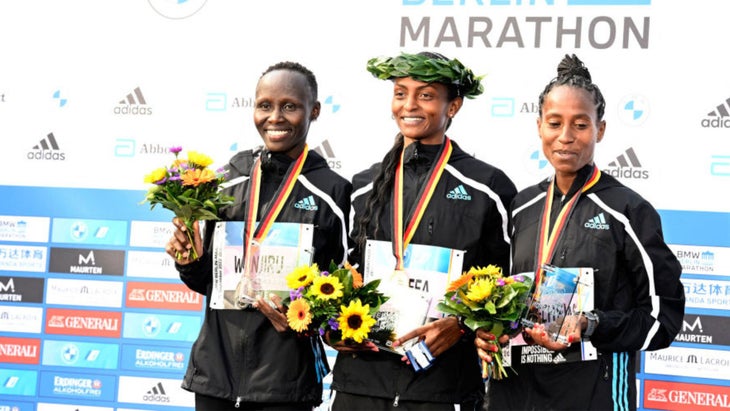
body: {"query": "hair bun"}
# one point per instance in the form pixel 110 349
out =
pixel 572 66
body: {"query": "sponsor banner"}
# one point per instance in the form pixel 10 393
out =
pixel 21 319
pixel 23 258
pixel 689 362
pixel 86 231
pixel 46 406
pixel 151 264
pixel 704 329
pixel 18 382
pixel 24 229
pixel 166 296
pixel 20 350
pixel 87 261
pixel 84 323
pixel 78 386
pixel 90 293
pixel 21 289
pixel 680 396
pixel 10 405
pixel 161 326
pixel 703 260
pixel 154 391
pixel 687 227
pixel 712 294
pixel 154 358
pixel 80 354
pixel 153 234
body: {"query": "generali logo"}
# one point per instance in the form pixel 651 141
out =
pixel 20 350
pixel 166 296
pixel 666 395
pixel 84 322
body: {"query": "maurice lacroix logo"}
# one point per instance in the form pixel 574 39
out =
pixel 47 149
pixel 719 117
pixel 133 104
pixel 627 165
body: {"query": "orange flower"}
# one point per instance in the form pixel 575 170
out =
pixel 464 279
pixel 356 276
pixel 298 316
pixel 195 177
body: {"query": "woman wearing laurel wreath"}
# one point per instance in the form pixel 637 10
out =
pixel 426 191
pixel 581 217
pixel 248 358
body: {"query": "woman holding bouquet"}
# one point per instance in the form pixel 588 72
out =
pixel 582 217
pixel 248 359
pixel 426 191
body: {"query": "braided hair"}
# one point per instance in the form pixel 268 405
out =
pixel 572 72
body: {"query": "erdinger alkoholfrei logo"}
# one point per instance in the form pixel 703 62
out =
pixel 627 165
pixel 325 150
pixel 47 149
pixel 133 104
pixel 719 117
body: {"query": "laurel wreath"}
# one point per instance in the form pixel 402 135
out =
pixel 428 70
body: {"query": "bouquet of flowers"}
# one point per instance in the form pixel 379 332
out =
pixel 484 298
pixel 189 189
pixel 334 301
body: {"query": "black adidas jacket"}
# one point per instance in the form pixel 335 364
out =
pixel 238 354
pixel 638 296
pixel 475 221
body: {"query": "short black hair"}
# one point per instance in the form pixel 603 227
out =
pixel 294 66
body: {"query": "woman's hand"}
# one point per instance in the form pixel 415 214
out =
pixel 439 335
pixel 350 346
pixel 571 328
pixel 179 247
pixel 274 310
pixel 486 344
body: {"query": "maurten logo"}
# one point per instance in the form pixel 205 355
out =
pixel 47 149
pixel 719 117
pixel 133 104
pixel 597 223
pixel 459 193
pixel 306 203
pixel 627 165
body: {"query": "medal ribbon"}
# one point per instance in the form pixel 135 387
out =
pixel 259 233
pixel 402 239
pixel 548 238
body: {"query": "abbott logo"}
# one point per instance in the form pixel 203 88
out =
pixel 47 149
pixel 133 104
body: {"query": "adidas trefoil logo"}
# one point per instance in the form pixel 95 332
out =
pixel 597 223
pixel 306 203
pixel 459 193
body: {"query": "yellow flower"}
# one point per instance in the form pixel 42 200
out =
pixel 302 276
pixel 355 321
pixel 156 175
pixel 298 315
pixel 199 159
pixel 327 287
pixel 490 270
pixel 195 176
pixel 479 290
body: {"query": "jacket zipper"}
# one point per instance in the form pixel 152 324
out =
pixel 395 401
pixel 238 402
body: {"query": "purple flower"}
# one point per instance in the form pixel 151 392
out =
pixel 295 294
pixel 325 273
pixel 513 324
pixel 333 324
pixel 519 278
pixel 175 150
pixel 500 282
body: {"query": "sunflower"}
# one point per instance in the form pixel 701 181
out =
pixel 327 287
pixel 355 321
pixel 480 290
pixel 302 276
pixel 490 270
pixel 199 159
pixel 464 279
pixel 298 315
